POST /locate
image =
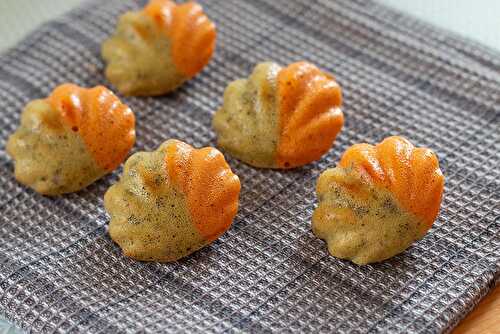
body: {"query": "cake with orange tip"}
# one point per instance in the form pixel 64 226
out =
pixel 70 139
pixel 171 202
pixel 280 117
pixel 378 200
pixel 155 50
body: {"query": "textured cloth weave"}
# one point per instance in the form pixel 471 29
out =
pixel 60 272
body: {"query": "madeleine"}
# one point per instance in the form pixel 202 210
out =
pixel 378 200
pixel 171 202
pixel 280 117
pixel 70 139
pixel 155 50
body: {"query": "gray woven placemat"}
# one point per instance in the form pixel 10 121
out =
pixel 60 272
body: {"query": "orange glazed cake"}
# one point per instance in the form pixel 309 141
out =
pixel 70 139
pixel 171 202
pixel 378 200
pixel 280 117
pixel 156 49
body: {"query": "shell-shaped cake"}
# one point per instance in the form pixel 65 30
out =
pixel 156 49
pixel 171 202
pixel 280 117
pixel 70 139
pixel 378 200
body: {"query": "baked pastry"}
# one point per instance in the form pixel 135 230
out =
pixel 280 117
pixel 378 200
pixel 70 139
pixel 155 50
pixel 171 202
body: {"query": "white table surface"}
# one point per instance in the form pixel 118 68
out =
pixel 475 19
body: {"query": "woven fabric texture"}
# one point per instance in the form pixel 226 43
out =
pixel 60 272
